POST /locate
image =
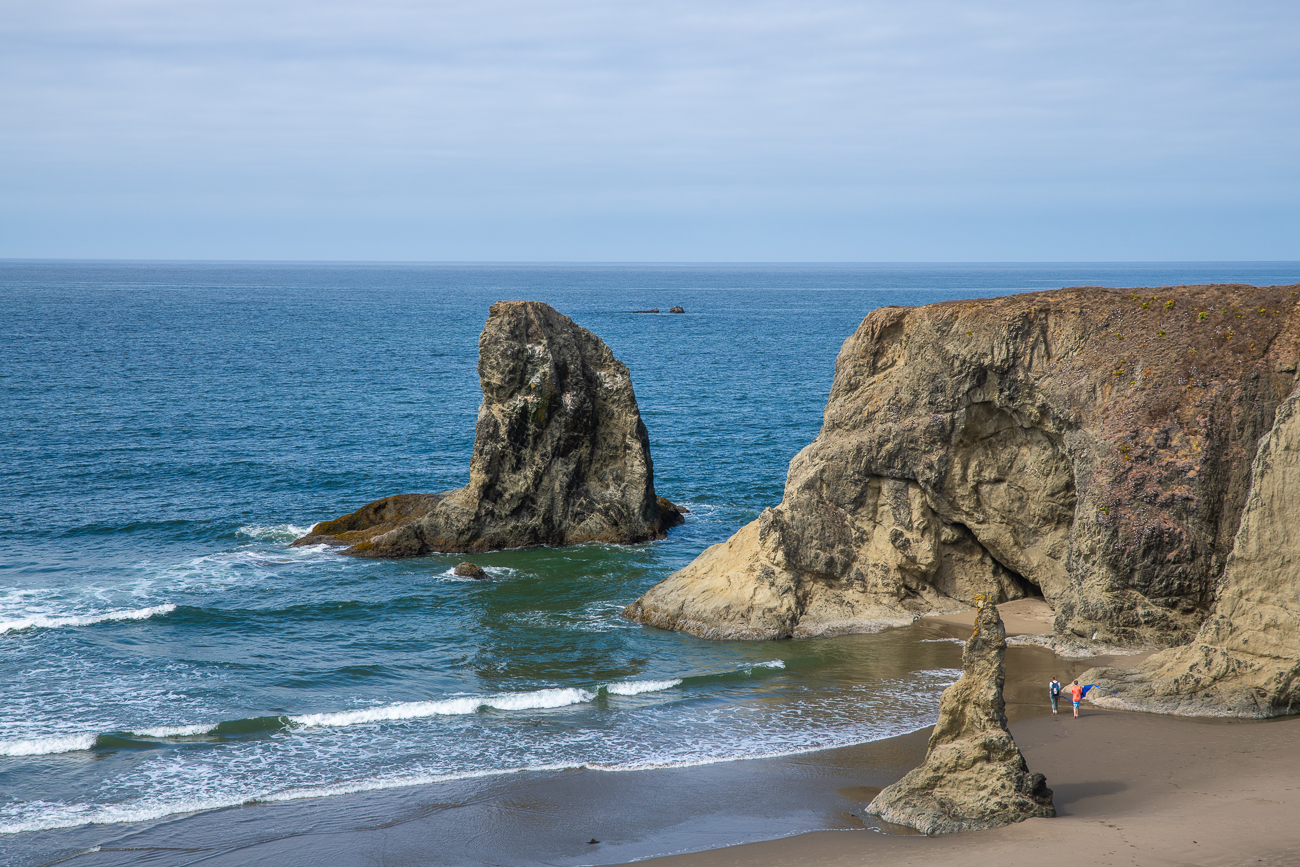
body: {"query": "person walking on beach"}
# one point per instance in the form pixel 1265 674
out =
pixel 1076 692
pixel 1054 690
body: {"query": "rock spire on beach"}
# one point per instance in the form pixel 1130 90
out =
pixel 973 776
pixel 561 455
pixel 1090 445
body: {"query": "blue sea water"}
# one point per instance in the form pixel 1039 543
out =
pixel 168 430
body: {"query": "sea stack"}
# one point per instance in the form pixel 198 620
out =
pixel 973 776
pixel 561 455
pixel 1093 446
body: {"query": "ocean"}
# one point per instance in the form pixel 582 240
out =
pixel 170 428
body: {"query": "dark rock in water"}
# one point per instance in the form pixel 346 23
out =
pixel 561 455
pixel 470 570
pixel 670 514
pixel 973 776
pixel 676 309
pixel 652 310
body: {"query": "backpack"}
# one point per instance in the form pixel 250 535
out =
pixel 1056 688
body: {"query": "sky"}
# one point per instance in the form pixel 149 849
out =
pixel 603 130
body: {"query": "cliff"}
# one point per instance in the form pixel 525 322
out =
pixel 1245 661
pixel 561 455
pixel 1090 445
pixel 973 776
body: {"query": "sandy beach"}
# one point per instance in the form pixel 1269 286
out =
pixel 1130 789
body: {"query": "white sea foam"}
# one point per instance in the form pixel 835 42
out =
pixel 636 687
pixel 46 621
pixel 274 532
pixel 173 731
pixel 47 746
pixel 771 663
pixel 539 699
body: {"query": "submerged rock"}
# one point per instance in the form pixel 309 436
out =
pixel 974 776
pixel 470 570
pixel 561 455
pixel 676 309
pixel 1090 445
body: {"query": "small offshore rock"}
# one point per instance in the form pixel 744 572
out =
pixel 471 570
pixel 651 310
pixel 974 776
pixel 676 309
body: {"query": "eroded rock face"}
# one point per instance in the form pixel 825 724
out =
pixel 561 455
pixel 1090 445
pixel 973 776
pixel 1245 661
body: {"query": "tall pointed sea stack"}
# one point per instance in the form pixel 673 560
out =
pixel 561 455
pixel 973 776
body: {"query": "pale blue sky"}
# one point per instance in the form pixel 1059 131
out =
pixel 684 131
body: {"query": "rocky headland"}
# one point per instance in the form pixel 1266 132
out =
pixel 973 777
pixel 561 455
pixel 1094 446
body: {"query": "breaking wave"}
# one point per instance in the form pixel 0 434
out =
pixel 45 621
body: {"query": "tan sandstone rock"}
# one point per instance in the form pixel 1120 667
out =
pixel 1090 445
pixel 974 775
pixel 561 455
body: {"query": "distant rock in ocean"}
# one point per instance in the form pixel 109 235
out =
pixel 651 310
pixel 974 776
pixel 561 455
pixel 676 309
pixel 1091 445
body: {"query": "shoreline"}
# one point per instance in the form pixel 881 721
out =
pixel 1129 788
pixel 1111 771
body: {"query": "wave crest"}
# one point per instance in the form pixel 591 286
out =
pixel 636 687
pixel 45 621
pixel 47 746
pixel 537 700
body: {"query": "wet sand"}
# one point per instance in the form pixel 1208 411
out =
pixel 1130 789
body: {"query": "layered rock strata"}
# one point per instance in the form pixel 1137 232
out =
pixel 1245 661
pixel 561 455
pixel 1090 445
pixel 973 776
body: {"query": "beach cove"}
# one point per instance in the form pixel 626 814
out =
pixel 186 686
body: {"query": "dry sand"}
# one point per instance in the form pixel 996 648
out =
pixel 1130 789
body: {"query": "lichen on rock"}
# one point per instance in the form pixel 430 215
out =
pixel 561 455
pixel 974 776
pixel 1245 661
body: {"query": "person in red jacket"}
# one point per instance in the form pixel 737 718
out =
pixel 1076 693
